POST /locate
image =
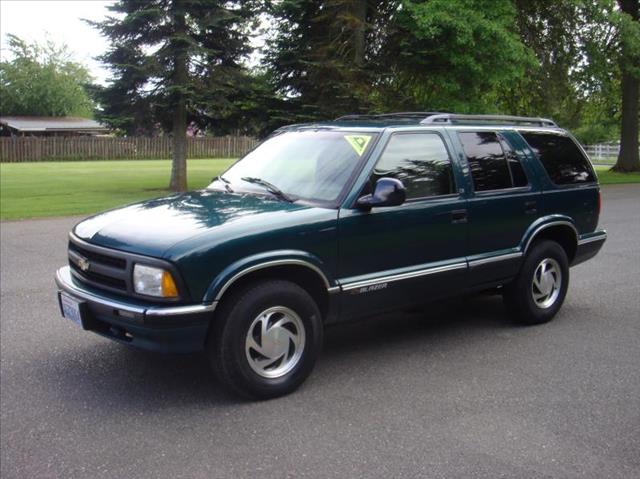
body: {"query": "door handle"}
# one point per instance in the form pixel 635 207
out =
pixel 530 207
pixel 459 216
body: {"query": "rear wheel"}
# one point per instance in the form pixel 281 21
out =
pixel 537 293
pixel 266 339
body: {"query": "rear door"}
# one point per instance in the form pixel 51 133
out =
pixel 503 203
pixel 395 256
pixel 568 181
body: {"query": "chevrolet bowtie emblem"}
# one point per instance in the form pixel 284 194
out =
pixel 83 264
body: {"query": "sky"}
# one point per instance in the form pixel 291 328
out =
pixel 61 21
pixel 34 20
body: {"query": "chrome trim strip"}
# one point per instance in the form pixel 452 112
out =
pixel 268 264
pixel 333 290
pixel 547 225
pixel 403 276
pixel 159 311
pixel 600 236
pixel 178 310
pixel 494 259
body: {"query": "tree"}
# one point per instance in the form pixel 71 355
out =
pixel 628 159
pixel 42 80
pixel 551 31
pixel 350 56
pixel 173 62
pixel 609 71
pixel 322 59
pixel 451 56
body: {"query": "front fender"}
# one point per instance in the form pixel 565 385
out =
pixel 269 259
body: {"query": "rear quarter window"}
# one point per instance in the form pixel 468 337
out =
pixel 561 158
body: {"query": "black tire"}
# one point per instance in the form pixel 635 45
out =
pixel 519 295
pixel 227 343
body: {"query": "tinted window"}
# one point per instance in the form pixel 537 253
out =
pixel 518 176
pixel 561 157
pixel 420 161
pixel 487 161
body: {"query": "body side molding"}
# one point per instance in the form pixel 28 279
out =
pixel 600 235
pixel 494 259
pixel 389 276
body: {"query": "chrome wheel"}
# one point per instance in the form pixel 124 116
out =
pixel 546 284
pixel 275 342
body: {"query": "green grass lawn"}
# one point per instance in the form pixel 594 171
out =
pixel 607 177
pixel 29 190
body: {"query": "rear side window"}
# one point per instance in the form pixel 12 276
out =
pixel 487 161
pixel 420 161
pixel 561 157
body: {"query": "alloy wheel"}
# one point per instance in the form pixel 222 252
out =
pixel 275 342
pixel 546 283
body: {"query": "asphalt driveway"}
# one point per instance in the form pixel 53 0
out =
pixel 456 391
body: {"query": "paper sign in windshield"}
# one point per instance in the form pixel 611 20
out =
pixel 358 142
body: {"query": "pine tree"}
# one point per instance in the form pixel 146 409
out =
pixel 349 56
pixel 173 61
pixel 321 57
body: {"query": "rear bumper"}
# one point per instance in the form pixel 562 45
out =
pixel 588 246
pixel 178 329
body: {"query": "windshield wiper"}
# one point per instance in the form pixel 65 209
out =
pixel 226 182
pixel 271 188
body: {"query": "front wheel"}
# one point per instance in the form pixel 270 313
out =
pixel 537 293
pixel 266 339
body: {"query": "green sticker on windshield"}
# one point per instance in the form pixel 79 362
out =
pixel 358 142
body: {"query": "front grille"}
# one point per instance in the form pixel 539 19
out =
pixel 97 278
pixel 99 267
pixel 114 261
pixel 112 270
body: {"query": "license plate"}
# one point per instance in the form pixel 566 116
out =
pixel 71 309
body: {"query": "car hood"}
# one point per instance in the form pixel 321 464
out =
pixel 152 227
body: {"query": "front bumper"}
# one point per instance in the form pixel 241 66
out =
pixel 179 329
pixel 588 246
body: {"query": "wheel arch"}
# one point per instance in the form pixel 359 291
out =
pixel 299 267
pixel 560 229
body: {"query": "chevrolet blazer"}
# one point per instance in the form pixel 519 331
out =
pixel 335 221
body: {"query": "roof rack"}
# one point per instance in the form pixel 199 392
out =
pixel 431 117
pixel 451 118
pixel 400 115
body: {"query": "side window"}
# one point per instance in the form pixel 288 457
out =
pixel 561 157
pixel 487 161
pixel 518 176
pixel 420 161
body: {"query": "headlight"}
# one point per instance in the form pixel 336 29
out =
pixel 154 282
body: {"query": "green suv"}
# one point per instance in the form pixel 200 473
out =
pixel 330 222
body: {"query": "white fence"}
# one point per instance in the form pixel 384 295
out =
pixel 604 154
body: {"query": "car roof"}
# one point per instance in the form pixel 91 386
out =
pixel 378 122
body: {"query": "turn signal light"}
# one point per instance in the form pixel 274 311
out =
pixel 169 288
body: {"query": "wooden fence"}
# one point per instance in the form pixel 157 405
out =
pixel 24 149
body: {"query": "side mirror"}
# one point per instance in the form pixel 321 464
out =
pixel 388 192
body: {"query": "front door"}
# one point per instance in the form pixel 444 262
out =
pixel 401 255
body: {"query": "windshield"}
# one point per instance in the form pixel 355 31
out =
pixel 308 165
